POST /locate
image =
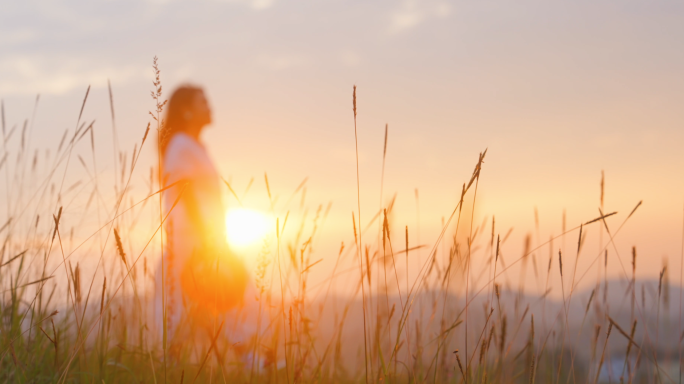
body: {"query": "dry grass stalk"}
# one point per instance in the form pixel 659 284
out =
pixel 460 366
pixel 629 338
pixel 119 247
pixel 603 355
pixel 532 369
pixel 360 241
pixel 102 300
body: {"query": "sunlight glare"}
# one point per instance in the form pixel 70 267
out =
pixel 245 226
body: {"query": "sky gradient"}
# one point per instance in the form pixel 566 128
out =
pixel 557 92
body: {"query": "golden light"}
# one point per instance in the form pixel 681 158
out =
pixel 245 226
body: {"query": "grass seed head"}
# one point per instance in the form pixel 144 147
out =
pixel 119 247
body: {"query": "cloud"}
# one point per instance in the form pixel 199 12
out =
pixel 258 5
pixel 18 36
pixel 350 58
pixel 261 4
pixel 281 62
pixel 30 74
pixel 412 13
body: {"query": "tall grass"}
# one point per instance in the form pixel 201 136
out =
pixel 444 312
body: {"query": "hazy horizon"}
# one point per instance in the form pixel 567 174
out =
pixel 557 93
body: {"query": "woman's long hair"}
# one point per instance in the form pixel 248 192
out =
pixel 180 104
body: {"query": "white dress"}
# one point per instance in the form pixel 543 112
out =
pixel 198 218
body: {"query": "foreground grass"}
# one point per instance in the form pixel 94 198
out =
pixel 455 321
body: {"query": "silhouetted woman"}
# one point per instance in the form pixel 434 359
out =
pixel 201 278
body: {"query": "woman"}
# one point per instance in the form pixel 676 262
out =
pixel 200 278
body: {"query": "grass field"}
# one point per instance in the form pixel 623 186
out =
pixel 79 257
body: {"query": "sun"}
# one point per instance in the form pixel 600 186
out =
pixel 245 226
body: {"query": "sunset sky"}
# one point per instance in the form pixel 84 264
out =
pixel 556 91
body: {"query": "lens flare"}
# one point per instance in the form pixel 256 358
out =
pixel 245 226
